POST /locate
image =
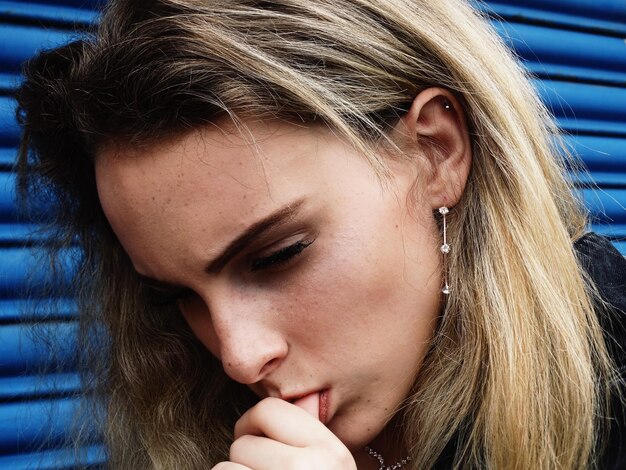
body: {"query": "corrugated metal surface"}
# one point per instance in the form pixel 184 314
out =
pixel 574 48
pixel 37 411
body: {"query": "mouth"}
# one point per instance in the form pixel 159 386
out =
pixel 323 403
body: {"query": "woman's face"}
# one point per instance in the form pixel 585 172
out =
pixel 297 269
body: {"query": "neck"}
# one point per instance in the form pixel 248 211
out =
pixel 388 443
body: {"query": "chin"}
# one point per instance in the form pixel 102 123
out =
pixel 355 433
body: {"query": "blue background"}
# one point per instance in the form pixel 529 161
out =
pixel 575 50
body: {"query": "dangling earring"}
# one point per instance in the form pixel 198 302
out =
pixel 445 249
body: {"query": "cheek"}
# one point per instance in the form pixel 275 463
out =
pixel 357 287
pixel 366 285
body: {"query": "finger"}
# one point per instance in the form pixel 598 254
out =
pixel 310 404
pixel 261 453
pixel 284 422
pixel 230 466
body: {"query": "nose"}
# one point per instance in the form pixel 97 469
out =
pixel 242 332
pixel 249 350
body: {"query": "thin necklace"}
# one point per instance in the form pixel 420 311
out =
pixel 381 461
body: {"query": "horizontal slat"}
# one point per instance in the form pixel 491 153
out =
pixel 576 73
pixel 30 348
pixel 27 270
pixel 590 15
pixel 600 154
pixel 25 387
pixel 603 157
pixel 9 130
pixel 9 212
pixel 91 457
pixel 26 425
pixel 9 81
pixel 82 4
pixel 18 234
pixel 601 179
pixel 13 310
pixel 607 206
pixel 582 56
pixel 582 9
pixel 7 197
pixel 21 42
pixel 584 108
pixel 65 12
pixel 8 156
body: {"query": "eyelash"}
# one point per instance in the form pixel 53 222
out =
pixel 280 257
pixel 161 298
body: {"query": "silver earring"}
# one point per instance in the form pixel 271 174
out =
pixel 447 106
pixel 445 249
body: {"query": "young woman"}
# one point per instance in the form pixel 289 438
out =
pixel 324 234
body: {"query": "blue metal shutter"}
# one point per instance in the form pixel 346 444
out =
pixel 36 411
pixel 574 48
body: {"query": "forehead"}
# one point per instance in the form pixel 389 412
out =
pixel 215 154
pixel 195 192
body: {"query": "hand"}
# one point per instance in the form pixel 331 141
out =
pixel 274 434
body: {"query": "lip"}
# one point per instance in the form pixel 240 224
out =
pixel 324 402
pixel 325 406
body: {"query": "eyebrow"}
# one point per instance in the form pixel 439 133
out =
pixel 276 218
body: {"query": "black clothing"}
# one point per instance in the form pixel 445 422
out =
pixel 607 268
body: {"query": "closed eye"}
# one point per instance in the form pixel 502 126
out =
pixel 280 257
pixel 165 295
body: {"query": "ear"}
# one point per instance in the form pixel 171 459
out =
pixel 436 129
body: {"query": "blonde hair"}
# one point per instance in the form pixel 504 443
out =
pixel 518 374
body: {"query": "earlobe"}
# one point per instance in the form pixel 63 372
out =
pixel 436 127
